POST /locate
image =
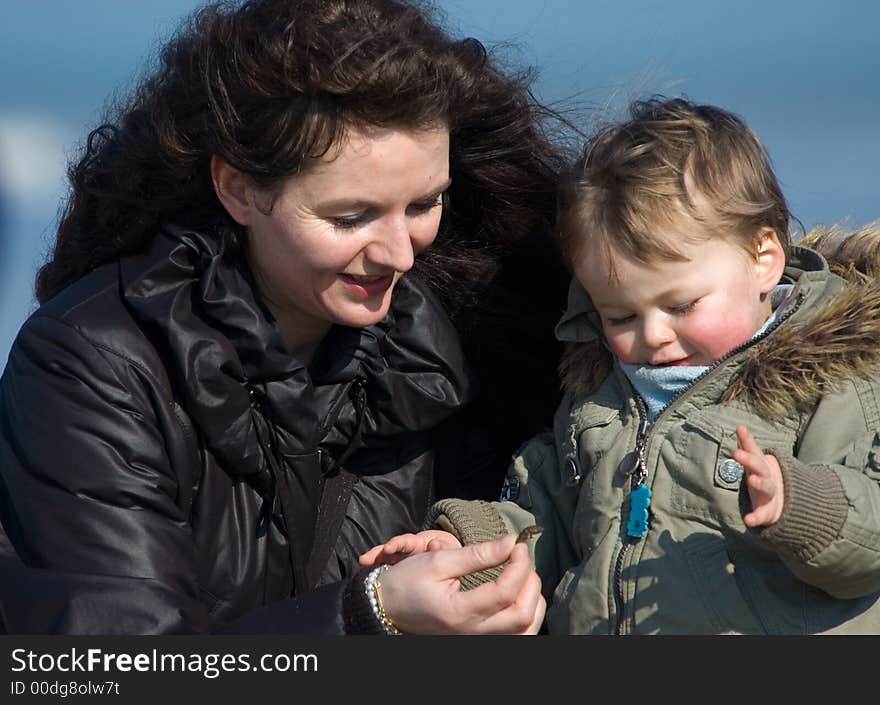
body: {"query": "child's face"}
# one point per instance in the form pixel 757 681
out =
pixel 682 313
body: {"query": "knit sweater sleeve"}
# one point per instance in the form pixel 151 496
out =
pixel 829 531
pixel 470 521
pixel 815 510
pixel 535 497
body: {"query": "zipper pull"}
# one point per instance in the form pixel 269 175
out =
pixel 640 493
pixel 639 501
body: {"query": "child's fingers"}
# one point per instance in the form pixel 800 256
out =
pixel 756 482
pixel 766 484
pixel 752 519
pixel 746 442
pixel 759 516
pixel 754 464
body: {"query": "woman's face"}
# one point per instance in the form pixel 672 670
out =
pixel 338 237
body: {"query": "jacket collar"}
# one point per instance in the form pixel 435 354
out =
pixel 229 363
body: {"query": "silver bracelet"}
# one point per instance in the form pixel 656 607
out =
pixel 371 585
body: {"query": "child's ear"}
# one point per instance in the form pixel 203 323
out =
pixel 769 260
pixel 233 189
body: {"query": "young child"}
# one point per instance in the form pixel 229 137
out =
pixel 714 465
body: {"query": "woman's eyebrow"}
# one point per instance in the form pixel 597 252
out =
pixel 436 192
pixel 361 203
pixel 440 190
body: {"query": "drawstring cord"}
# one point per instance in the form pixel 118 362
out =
pixel 358 395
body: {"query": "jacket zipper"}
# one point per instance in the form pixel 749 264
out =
pixel 640 470
pixel 638 474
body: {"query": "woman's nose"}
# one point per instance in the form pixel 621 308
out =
pixel 392 247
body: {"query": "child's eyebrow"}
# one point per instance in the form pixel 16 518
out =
pixel 610 305
pixel 674 293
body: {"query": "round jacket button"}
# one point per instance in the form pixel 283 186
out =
pixel 730 471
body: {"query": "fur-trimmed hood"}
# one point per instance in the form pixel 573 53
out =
pixel 833 333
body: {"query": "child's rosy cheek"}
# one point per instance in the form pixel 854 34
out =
pixel 621 346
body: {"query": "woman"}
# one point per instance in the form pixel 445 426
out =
pixel 246 370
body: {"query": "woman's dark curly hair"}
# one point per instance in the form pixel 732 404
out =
pixel 268 85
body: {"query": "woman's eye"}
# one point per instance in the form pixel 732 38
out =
pixel 347 222
pixel 426 206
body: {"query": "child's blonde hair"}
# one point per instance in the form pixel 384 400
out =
pixel 694 170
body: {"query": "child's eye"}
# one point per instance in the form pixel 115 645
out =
pixel 684 309
pixel 622 321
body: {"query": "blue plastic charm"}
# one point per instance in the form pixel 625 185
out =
pixel 639 501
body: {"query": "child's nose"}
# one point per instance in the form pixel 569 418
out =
pixel 657 332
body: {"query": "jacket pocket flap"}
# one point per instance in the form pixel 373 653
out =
pixel 584 416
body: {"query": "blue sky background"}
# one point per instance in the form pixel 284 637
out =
pixel 804 73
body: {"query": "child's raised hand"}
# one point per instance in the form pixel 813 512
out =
pixel 399 547
pixel 763 480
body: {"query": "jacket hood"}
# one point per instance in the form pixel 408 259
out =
pixel 228 357
pixel 834 339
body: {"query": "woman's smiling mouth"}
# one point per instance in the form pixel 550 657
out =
pixel 365 285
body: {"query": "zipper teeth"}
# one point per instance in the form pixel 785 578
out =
pixel 642 434
pixel 618 585
pixel 645 430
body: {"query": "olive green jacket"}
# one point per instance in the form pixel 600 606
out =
pixel 809 392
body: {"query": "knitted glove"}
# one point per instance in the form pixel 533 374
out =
pixel 470 521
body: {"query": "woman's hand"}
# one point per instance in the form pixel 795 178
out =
pixel 422 595
pixel 399 547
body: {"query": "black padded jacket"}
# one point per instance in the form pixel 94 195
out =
pixel 163 457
